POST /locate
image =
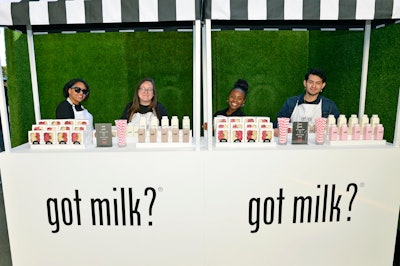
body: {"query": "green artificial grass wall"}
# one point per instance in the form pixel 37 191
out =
pixel 111 63
pixel 340 55
pixel 384 77
pixel 22 114
pixel 273 62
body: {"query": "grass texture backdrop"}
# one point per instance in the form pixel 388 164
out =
pixel 273 62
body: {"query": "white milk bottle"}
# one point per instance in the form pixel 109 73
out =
pixel 353 119
pixel 175 128
pixel 333 133
pixel 331 120
pixel 367 132
pixel 343 132
pixel 374 121
pixel 378 133
pixel 341 121
pixel 186 129
pixel 356 134
pixel 364 120
pixel 164 129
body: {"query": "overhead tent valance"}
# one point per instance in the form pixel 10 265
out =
pixel 96 14
pixel 108 14
pixel 302 9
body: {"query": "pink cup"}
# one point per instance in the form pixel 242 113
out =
pixel 320 124
pixel 121 131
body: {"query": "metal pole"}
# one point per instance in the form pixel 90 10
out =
pixel 196 82
pixel 397 125
pixel 204 72
pixel 364 73
pixel 32 62
pixel 208 84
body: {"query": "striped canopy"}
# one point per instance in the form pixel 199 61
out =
pixel 302 9
pixel 85 15
pixel 78 12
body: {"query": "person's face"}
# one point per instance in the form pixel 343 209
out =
pixel 146 93
pixel 77 97
pixel 236 100
pixel 314 85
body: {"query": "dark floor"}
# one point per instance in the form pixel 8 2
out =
pixel 5 255
pixel 396 261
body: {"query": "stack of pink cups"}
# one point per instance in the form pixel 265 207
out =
pixel 121 131
pixel 283 125
pixel 320 124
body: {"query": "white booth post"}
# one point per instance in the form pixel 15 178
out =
pixel 364 71
pixel 196 82
pixel 208 82
pixel 32 62
pixel 204 78
pixel 397 125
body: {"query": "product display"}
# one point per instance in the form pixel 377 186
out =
pixel 357 131
pixel 155 134
pixel 240 130
pixel 59 133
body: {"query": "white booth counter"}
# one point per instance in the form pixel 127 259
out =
pixel 283 205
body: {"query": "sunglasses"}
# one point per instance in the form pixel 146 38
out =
pixel 78 90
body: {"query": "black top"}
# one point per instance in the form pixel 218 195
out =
pixel 65 111
pixel 160 110
pixel 238 112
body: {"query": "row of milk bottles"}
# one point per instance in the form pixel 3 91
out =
pixel 354 128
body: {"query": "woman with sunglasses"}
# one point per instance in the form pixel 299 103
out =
pixel 75 91
pixel 144 104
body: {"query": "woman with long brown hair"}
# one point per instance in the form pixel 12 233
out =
pixel 144 104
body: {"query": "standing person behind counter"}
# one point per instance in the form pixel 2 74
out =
pixel 75 91
pixel 236 99
pixel 144 104
pixel 309 105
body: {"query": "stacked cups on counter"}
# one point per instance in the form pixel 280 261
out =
pixel 320 124
pixel 283 125
pixel 121 132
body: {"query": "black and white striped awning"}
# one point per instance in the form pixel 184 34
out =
pixel 121 15
pixel 302 9
pixel 85 14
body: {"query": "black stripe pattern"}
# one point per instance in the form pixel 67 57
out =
pixel 130 11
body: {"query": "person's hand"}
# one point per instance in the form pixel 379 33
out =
pixel 276 132
pixel 204 126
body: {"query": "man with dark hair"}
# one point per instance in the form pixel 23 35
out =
pixel 309 105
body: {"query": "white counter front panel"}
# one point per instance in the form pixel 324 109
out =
pixel 283 206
